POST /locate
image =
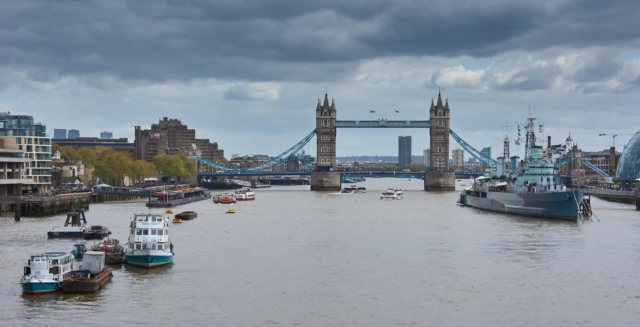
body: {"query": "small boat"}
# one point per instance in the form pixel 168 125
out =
pixel 91 276
pixel 47 272
pixel 114 252
pixel 187 215
pixel 78 250
pixel 168 211
pixel 399 192
pixel 362 189
pixel 149 244
pixel 246 194
pixel 224 198
pixel 350 189
pixel 230 211
pixel 73 226
pixel 177 221
pixel 96 232
pixel 388 195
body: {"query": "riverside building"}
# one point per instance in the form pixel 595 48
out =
pixel 25 150
pixel 171 136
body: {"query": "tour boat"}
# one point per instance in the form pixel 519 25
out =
pixel 224 198
pixel 96 232
pixel 78 250
pixel 246 194
pixel 177 197
pixel 149 243
pixel 399 192
pixel 91 276
pixel 47 272
pixel 350 189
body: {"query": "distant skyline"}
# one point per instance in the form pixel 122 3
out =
pixel 248 74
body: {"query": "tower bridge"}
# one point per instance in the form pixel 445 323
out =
pixel 325 176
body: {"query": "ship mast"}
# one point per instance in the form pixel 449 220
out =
pixel 530 138
pixel 505 152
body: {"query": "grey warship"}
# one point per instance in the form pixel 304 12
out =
pixel 529 189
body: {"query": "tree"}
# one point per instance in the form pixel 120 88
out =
pixel 113 166
pixel 175 166
pixel 141 169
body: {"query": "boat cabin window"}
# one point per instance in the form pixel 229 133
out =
pixel 132 231
pixel 140 218
pixel 160 232
pixel 139 232
pixel 145 232
pixel 153 232
pixel 54 262
pixel 138 246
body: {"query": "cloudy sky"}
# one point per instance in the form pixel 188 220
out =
pixel 247 74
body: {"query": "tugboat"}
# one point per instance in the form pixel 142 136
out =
pixel 47 272
pixel 531 188
pixel 78 250
pixel 113 251
pixel 149 244
pixel 91 276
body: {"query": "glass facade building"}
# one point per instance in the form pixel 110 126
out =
pixel 629 163
pixel 21 134
pixel 404 150
pixel 59 133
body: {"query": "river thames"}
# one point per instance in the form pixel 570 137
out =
pixel 298 258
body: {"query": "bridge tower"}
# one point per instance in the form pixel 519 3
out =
pixel 439 115
pixel 326 134
pixel 323 179
pixel 439 178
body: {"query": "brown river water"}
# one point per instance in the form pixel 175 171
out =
pixel 294 257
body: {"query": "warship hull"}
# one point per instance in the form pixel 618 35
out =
pixel 554 205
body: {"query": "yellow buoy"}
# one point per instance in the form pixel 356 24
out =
pixel 231 211
pixel 168 211
pixel 177 221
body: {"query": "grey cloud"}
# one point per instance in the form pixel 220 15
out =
pixel 289 40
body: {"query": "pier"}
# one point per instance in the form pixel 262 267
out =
pixel 630 197
pixel 45 205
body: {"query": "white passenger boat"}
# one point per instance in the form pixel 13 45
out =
pixel 149 243
pixel 246 194
pixel 389 195
pixel 47 272
pixel 399 193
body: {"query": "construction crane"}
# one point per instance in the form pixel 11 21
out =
pixel 613 137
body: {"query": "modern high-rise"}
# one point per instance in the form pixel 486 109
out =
pixel 23 139
pixel 486 151
pixel 59 133
pixel 171 136
pixel 426 157
pixel 404 150
pixel 458 157
pixel 106 135
pixel 73 134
